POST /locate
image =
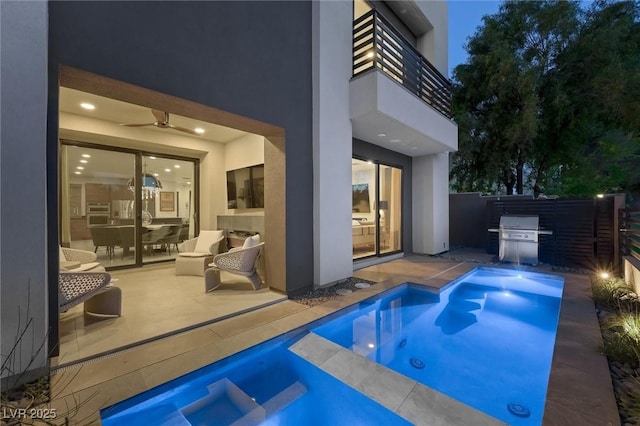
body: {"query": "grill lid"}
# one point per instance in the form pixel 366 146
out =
pixel 519 222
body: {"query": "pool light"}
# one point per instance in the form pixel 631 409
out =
pixel 371 345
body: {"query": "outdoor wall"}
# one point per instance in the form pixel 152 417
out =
pixel 631 267
pixel 252 59
pixel 369 151
pixel 434 44
pixel 332 62
pixel 23 197
pixel 431 203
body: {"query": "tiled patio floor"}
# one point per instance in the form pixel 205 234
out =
pixel 580 389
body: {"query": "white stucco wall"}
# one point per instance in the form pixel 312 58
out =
pixel 430 203
pixel 23 265
pixel 434 45
pixel 331 63
pixel 247 150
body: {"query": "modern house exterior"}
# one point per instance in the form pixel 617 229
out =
pixel 348 99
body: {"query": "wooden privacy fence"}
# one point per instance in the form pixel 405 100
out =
pixel 630 230
pixel 584 233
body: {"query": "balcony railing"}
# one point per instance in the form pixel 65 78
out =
pixel 376 44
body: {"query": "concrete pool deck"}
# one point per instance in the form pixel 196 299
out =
pixel 580 389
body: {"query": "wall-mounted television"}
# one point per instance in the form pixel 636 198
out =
pixel 245 187
pixel 360 198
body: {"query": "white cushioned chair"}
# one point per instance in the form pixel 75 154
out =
pixel 240 261
pixel 74 260
pixel 196 253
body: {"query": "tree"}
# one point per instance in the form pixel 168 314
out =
pixel 549 96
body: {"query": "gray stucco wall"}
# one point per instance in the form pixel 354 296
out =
pixel 23 118
pixel 369 151
pixel 248 58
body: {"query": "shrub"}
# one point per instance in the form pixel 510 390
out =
pixel 614 294
pixel 622 343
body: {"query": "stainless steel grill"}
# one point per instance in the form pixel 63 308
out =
pixel 519 237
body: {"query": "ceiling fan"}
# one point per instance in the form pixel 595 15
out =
pixel 162 121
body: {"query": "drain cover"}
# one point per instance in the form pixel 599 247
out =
pixel 362 285
pixel 416 363
pixel 518 409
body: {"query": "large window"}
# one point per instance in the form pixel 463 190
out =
pixel 376 209
pixel 127 207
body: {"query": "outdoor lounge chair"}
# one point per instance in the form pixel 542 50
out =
pixel 74 260
pixel 94 289
pixel 239 261
pixel 196 253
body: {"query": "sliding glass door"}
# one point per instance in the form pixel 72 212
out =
pixel 376 209
pixel 127 207
pixel 91 180
pixel 166 197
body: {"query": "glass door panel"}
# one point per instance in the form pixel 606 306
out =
pixel 363 224
pixel 93 200
pixel 390 208
pixel 167 206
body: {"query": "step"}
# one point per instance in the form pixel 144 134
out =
pixel 226 403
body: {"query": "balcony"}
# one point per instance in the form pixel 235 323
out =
pixel 398 93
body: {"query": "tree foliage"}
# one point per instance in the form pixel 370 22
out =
pixel 550 98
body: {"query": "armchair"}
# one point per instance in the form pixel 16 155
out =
pixel 239 261
pixel 93 288
pixel 196 253
pixel 74 260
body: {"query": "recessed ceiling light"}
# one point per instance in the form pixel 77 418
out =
pixel 87 106
pixel 369 162
pixel 156 174
pixel 199 130
pixel 177 166
pixel 80 168
pixel 382 135
pixel 84 161
pixel 152 158
pixel 78 173
pixel 395 140
pixel 188 183
pixel 370 55
pixel 86 155
pixel 167 170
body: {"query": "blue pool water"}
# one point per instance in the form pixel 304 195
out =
pixel 266 385
pixel 486 340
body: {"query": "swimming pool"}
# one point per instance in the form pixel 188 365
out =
pixel 266 385
pixel 486 340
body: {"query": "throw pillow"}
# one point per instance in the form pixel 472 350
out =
pixel 205 239
pixel 251 241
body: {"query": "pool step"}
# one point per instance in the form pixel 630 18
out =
pixel 229 404
pixel 226 403
pixel 284 398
